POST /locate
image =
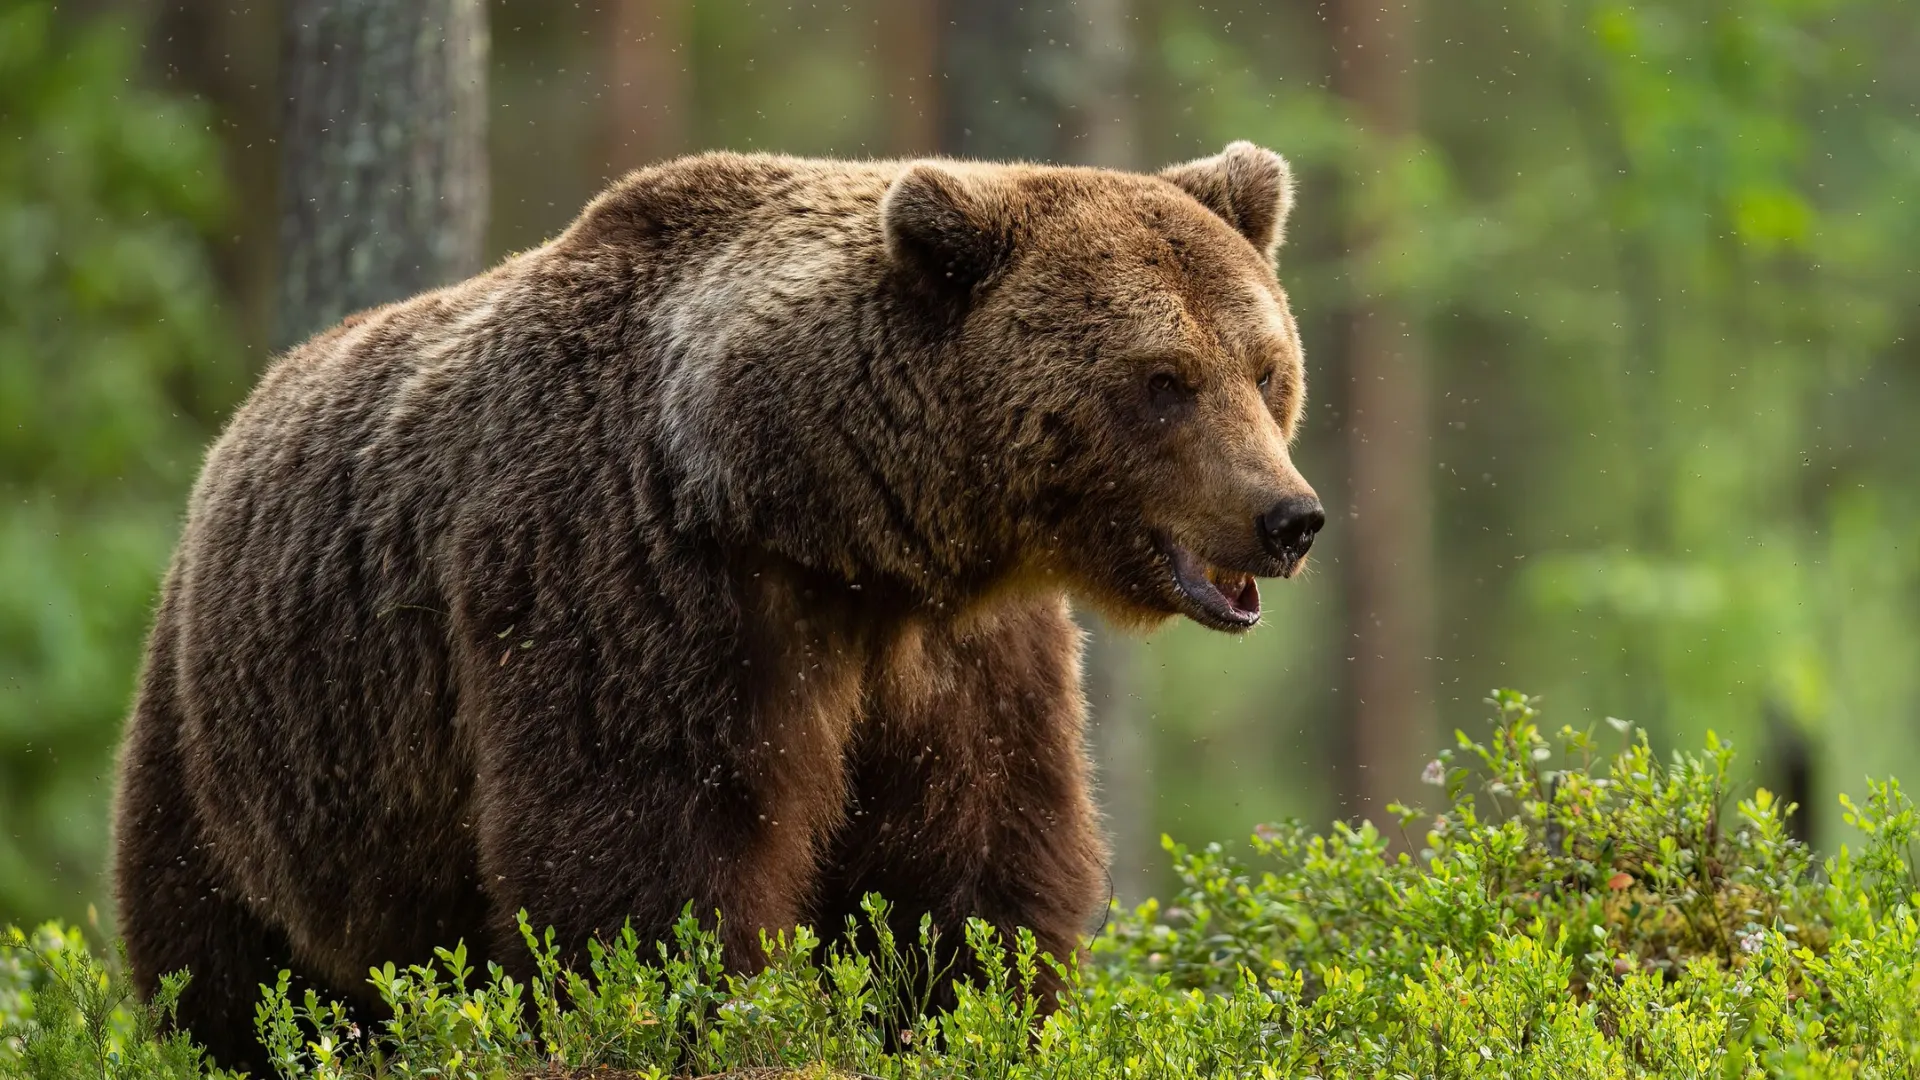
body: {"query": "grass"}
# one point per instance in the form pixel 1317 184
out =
pixel 1576 911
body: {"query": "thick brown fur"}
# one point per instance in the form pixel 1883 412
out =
pixel 716 551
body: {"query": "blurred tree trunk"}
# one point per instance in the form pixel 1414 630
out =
pixel 1390 562
pixel 1105 81
pixel 999 93
pixel 1036 82
pixel 1122 757
pixel 383 179
pixel 1790 769
pixel 909 44
pixel 211 50
pixel 648 82
pixel 1054 82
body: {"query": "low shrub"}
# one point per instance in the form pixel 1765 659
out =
pixel 1574 912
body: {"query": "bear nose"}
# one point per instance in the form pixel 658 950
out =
pixel 1288 529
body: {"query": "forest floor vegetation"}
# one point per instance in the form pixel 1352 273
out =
pixel 1581 907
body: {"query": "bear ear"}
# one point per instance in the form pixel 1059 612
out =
pixel 944 226
pixel 1248 186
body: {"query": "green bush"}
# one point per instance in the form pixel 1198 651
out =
pixel 66 1016
pixel 116 362
pixel 1574 913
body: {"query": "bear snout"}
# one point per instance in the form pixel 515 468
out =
pixel 1287 529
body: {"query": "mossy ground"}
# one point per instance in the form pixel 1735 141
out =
pixel 1580 908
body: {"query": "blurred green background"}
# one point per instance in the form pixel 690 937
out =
pixel 1610 311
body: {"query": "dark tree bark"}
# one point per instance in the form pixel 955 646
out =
pixel 648 81
pixel 383 184
pixel 1053 83
pixel 1390 562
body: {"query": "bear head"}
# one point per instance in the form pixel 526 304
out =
pixel 1134 368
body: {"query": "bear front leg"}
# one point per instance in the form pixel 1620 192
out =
pixel 609 794
pixel 970 792
pixel 590 851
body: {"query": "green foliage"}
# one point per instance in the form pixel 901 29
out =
pixel 114 359
pixel 1661 254
pixel 1662 257
pixel 1574 913
pixel 66 1016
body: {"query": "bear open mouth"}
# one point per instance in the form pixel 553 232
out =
pixel 1225 599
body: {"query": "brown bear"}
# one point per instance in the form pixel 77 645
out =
pixel 716 551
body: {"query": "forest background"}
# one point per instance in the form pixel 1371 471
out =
pixel 1610 312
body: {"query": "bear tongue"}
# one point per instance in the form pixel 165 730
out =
pixel 1240 591
pixel 1248 599
pixel 1227 595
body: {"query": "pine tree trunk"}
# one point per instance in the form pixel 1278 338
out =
pixel 383 186
pixel 1053 83
pixel 1390 564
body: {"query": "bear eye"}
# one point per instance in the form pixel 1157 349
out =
pixel 1166 392
pixel 1266 380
